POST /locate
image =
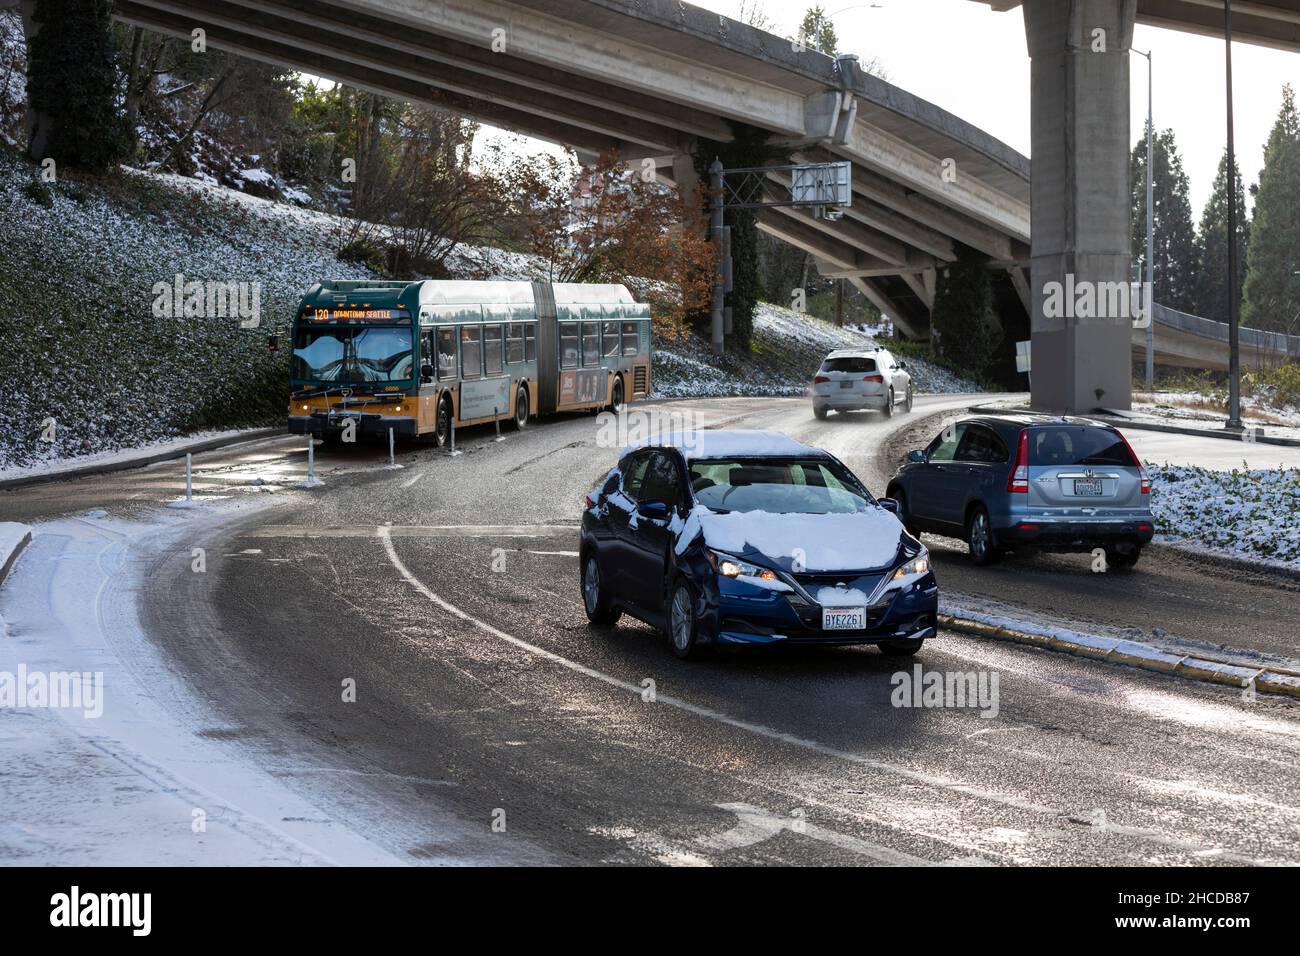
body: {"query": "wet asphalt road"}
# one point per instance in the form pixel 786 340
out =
pixel 448 592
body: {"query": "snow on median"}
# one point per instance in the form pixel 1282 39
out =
pixel 1246 513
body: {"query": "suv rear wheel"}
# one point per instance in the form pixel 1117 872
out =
pixel 979 537
pixel 1123 560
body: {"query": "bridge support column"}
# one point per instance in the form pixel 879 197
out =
pixel 1080 202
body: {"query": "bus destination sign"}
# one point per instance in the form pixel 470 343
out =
pixel 350 313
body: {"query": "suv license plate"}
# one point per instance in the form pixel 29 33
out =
pixel 844 618
pixel 848 384
pixel 1087 487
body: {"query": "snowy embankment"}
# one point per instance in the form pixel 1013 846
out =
pixel 787 348
pixel 88 368
pixel 1244 513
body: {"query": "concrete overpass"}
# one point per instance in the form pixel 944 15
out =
pixel 651 78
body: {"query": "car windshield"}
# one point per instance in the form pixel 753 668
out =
pixel 353 354
pixel 1078 445
pixel 849 363
pixel 777 485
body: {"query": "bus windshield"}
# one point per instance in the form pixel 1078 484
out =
pixel 353 354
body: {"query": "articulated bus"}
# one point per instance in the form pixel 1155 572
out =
pixel 418 357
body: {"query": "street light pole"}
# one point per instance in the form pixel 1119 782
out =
pixel 1149 291
pixel 1234 356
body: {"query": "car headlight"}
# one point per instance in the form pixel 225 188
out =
pixel 915 568
pixel 730 567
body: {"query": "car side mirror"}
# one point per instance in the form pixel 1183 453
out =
pixel 426 373
pixel 916 455
pixel 889 504
pixel 902 365
pixel 652 509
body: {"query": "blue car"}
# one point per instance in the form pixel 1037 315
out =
pixel 751 538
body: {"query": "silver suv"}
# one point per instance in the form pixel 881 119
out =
pixel 1016 481
pixel 855 379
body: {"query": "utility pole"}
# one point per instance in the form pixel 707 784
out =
pixel 1234 307
pixel 715 233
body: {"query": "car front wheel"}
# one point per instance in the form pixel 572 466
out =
pixel 683 629
pixel 595 600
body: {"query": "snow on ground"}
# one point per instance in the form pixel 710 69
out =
pixel 1247 513
pixel 787 348
pixel 1183 408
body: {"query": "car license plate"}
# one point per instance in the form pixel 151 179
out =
pixel 848 384
pixel 844 618
pixel 1087 487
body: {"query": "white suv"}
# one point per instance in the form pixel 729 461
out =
pixel 852 379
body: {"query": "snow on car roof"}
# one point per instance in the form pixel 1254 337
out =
pixel 733 443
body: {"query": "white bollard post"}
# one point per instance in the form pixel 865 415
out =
pixel 391 460
pixel 189 480
pixel 496 420
pixel 453 452
pixel 312 481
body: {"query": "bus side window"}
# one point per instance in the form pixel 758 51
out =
pixel 471 354
pixel 609 334
pixel 492 349
pixel 515 343
pixel 446 353
pixel 569 356
pixel 530 342
pixel 590 343
pixel 629 338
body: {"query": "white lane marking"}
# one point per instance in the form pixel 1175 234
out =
pixel 413 479
pixel 932 780
pixel 563 554
pixel 755 825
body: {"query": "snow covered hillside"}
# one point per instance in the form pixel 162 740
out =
pixel 89 368
pixel 787 349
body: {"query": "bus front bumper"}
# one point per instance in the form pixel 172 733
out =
pixel 368 423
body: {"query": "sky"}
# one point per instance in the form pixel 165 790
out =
pixel 972 61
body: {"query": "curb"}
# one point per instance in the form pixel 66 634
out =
pixel 179 451
pixel 14 537
pixel 1270 680
pixel 1261 438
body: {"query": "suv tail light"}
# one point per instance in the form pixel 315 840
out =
pixel 818 379
pixel 1018 480
pixel 873 378
pixel 1143 478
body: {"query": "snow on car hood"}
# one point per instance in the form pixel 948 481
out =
pixel 825 542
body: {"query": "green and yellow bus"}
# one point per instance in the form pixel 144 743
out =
pixel 417 357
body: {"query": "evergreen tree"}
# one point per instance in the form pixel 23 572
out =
pixel 1271 295
pixel 1176 253
pixel 966 329
pixel 1212 280
pixel 809 33
pixel 72 86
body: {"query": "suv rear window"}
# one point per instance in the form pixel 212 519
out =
pixel 1078 445
pixel 849 363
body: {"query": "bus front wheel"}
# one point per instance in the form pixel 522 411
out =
pixel 521 410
